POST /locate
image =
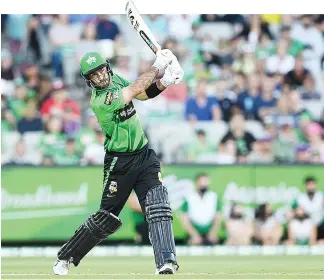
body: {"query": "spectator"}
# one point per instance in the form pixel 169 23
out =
pixel 226 100
pixel 297 107
pixel 285 143
pixel 63 37
pixel 295 47
pixel 185 21
pixel 268 231
pixel 199 147
pixel 303 154
pixel 62 106
pixel 301 229
pixel 22 157
pixel 31 76
pixel 308 91
pixel 83 18
pixel 141 226
pixel 88 42
pixel 238 228
pixel 7 70
pixel 34 41
pixel 265 103
pixel 17 29
pixel 201 213
pixel 45 89
pixel 68 155
pixel 282 113
pixel 123 65
pixel 17 103
pixel 94 153
pixel 306 32
pixel 256 26
pixel 282 62
pixel 243 140
pixel 239 82
pixel 53 140
pixel 297 76
pixel 247 100
pixel 202 107
pixel 315 138
pixel 107 29
pixel 262 152
pixel 311 203
pixel 31 121
pixel 158 24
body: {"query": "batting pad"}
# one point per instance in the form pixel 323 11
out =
pixel 159 217
pixel 88 235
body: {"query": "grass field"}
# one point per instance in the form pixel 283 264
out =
pixel 256 267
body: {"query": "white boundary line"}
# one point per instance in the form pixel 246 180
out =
pixel 135 251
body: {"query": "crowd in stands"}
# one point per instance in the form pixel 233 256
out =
pixel 253 90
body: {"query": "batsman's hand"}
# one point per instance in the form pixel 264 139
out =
pixel 173 74
pixel 163 59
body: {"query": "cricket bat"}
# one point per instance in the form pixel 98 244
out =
pixel 140 26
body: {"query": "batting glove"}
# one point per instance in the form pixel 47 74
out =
pixel 173 74
pixel 163 59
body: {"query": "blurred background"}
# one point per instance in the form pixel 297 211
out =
pixel 241 139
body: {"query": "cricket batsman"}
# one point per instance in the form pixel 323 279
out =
pixel 129 163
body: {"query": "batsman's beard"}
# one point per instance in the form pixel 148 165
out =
pixel 100 79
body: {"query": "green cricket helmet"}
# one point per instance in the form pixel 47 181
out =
pixel 90 63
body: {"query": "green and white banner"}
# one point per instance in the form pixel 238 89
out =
pixel 50 203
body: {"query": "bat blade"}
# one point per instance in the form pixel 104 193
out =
pixel 140 26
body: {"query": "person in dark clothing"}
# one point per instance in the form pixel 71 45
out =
pixel 30 122
pixel 297 76
pixel 244 140
pixel 254 22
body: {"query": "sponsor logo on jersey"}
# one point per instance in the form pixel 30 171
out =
pixel 109 97
pixel 127 112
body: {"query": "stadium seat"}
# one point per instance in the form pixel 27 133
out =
pixel 9 141
pixel 32 140
pixel 255 128
pixel 171 137
pixel 217 30
pixel 315 107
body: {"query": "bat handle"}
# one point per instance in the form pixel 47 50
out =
pixel 157 48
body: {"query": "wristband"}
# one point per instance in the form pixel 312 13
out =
pixel 153 91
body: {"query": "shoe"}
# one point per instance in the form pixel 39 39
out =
pixel 61 267
pixel 168 268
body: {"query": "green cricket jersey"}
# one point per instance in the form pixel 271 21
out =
pixel 119 122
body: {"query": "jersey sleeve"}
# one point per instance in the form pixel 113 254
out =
pixel 123 82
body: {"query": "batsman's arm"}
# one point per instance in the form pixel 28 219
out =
pixel 144 95
pixel 144 82
pixel 140 85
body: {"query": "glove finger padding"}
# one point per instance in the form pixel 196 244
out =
pixel 173 74
pixel 163 59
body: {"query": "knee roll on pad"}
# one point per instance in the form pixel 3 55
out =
pixel 95 229
pixel 157 206
pixel 102 224
pixel 159 217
